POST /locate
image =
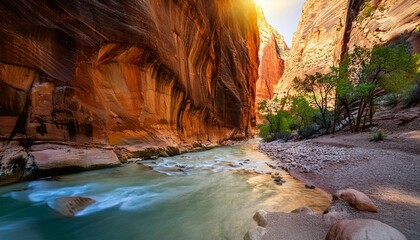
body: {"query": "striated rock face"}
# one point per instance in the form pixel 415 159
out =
pixel 122 73
pixel 148 73
pixel 272 54
pixel 328 29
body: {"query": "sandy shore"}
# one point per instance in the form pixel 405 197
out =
pixel 388 172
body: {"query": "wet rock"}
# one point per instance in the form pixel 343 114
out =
pixel 81 158
pixel 363 229
pixel 275 175
pixel 256 233
pixel 357 199
pixel 279 181
pixel 303 210
pixel 69 206
pixel 13 163
pixel 233 165
pixel 261 218
pixel 144 167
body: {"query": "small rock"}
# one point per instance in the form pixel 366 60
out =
pixel 363 229
pixel 256 233
pixel 275 175
pixel 261 218
pixel 69 206
pixel 279 181
pixel 310 186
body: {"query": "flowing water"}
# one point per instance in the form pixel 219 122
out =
pixel 202 195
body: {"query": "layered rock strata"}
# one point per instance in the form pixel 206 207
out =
pixel 272 54
pixel 328 29
pixel 144 73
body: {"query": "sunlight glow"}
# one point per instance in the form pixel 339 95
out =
pixel 283 15
pixel 399 196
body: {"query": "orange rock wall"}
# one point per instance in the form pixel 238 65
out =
pixel 328 29
pixel 128 72
pixel 272 54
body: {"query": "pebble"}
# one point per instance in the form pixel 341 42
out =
pixel 306 156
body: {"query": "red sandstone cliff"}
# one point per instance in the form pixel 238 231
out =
pixel 146 73
pixel 272 54
pixel 327 29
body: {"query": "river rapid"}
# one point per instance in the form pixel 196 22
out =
pixel 203 195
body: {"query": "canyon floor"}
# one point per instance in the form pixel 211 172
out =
pixel 388 172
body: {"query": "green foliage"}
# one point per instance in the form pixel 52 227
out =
pixel 303 115
pixel 392 99
pixel 378 136
pixel 364 73
pixel 280 123
pixel 348 91
pixel 413 96
pixel 318 90
pixel 368 10
pixel 276 122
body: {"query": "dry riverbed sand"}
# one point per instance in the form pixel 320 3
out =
pixel 387 172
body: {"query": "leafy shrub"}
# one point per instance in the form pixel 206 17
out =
pixel 277 126
pixel 378 136
pixel 392 99
pixel 368 10
pixel 413 97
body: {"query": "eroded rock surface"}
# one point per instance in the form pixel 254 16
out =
pixel 128 72
pixel 272 55
pixel 145 73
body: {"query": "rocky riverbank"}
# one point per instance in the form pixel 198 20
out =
pixel 387 172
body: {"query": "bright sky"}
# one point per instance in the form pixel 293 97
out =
pixel 283 15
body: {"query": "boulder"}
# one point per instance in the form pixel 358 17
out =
pixel 407 119
pixel 357 199
pixel 69 206
pixel 363 229
pixel 256 233
pixel 261 218
pixel 68 157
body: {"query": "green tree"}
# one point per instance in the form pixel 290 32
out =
pixel 303 115
pixel 366 74
pixel 319 90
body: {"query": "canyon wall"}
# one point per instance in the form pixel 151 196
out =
pixel 272 54
pixel 139 73
pixel 328 29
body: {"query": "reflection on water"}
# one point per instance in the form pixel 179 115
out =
pixel 204 195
